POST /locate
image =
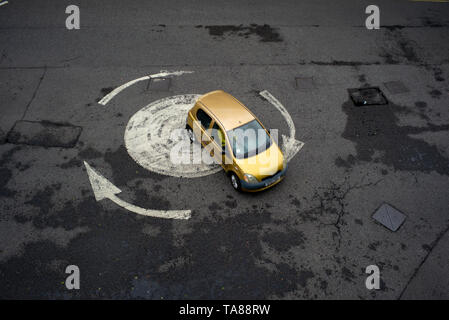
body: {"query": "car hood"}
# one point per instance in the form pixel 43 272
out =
pixel 264 164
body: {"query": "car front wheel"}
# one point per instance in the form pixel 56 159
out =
pixel 235 182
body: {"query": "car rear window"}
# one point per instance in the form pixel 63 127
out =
pixel 204 118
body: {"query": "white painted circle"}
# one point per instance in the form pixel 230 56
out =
pixel 147 137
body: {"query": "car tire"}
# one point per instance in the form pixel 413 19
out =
pixel 235 182
pixel 190 134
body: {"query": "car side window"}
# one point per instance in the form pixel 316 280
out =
pixel 204 118
pixel 218 135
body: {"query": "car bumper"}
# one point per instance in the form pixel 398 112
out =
pixel 263 184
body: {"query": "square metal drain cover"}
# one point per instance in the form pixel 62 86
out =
pixel 389 217
pixel 367 96
pixel 305 83
pixel 159 84
pixel 396 87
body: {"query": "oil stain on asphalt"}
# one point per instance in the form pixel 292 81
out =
pixel 6 174
pixel 264 32
pixel 223 266
pixel 126 169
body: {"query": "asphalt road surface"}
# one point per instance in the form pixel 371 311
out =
pixel 310 237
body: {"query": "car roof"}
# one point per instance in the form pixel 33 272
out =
pixel 230 112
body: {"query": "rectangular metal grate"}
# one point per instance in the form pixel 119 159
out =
pixel 159 84
pixel 305 83
pixel 367 96
pixel 389 217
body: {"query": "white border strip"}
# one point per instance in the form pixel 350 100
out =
pixel 117 90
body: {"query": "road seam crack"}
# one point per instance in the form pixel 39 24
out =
pixel 434 244
pixel 34 93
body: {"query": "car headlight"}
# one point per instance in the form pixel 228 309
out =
pixel 250 178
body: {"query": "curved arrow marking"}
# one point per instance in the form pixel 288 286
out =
pixel 117 90
pixel 103 189
pixel 171 112
pixel 290 145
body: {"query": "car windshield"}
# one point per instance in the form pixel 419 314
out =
pixel 248 140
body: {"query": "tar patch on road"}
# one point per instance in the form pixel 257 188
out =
pixel 6 174
pixel 265 32
pixel 435 93
pixel 44 133
pixel 398 48
pixel 377 129
pixel 2 137
pixel 126 169
pixel 438 74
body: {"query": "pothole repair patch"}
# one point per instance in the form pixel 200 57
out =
pixel 44 133
pixel 2 136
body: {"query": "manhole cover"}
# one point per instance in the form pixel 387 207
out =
pixel 304 83
pixel 367 96
pixel 389 217
pixel 159 84
pixel 396 87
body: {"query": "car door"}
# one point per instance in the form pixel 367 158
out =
pixel 201 127
pixel 220 146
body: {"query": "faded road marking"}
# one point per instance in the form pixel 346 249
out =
pixel 290 146
pixel 117 90
pixel 102 189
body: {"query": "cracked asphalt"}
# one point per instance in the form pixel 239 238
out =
pixel 311 236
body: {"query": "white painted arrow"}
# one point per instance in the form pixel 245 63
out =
pixel 103 189
pixel 117 90
pixel 290 145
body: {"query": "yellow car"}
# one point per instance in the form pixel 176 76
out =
pixel 236 140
